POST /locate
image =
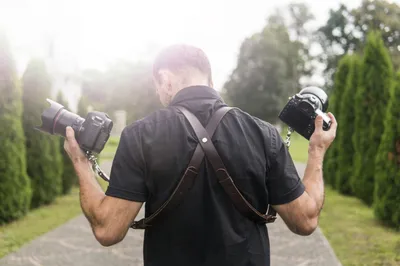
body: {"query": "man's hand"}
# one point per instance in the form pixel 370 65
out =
pixel 322 139
pixel 71 146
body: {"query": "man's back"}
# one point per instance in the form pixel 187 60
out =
pixel 205 229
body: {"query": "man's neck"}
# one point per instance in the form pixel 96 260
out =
pixel 192 84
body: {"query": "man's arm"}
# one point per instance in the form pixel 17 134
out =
pixel 109 217
pixel 301 215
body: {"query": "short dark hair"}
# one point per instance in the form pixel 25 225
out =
pixel 180 56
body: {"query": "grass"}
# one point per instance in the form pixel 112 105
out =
pixel 298 148
pixel 110 148
pixel 47 218
pixel 38 222
pixel 355 235
pixel 350 226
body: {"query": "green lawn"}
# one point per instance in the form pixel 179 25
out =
pixel 47 218
pixel 298 148
pixel 349 225
pixel 354 233
pixel 109 149
pixel 38 222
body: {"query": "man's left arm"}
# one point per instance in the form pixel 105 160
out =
pixel 110 217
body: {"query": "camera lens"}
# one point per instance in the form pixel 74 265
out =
pixel 319 95
pixel 56 118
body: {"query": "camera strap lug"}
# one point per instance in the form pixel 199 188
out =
pixel 288 135
pixel 96 168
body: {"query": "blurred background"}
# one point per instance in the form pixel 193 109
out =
pixel 98 55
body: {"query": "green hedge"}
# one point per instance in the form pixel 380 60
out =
pixel 346 127
pixel 387 167
pixel 330 162
pixel 44 162
pixel 371 101
pixel 15 192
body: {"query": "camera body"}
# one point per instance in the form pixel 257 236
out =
pixel 91 133
pixel 302 109
pixel 94 132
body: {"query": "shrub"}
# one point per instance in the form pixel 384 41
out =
pixel 44 162
pixel 345 132
pixel 387 166
pixel 15 192
pixel 371 101
pixel 330 162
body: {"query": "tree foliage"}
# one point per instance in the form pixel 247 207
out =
pixel 346 31
pixel 344 143
pixel 268 70
pixel 15 191
pixel 387 165
pixel 82 106
pixel 124 86
pixel 341 76
pixel 299 18
pixel 44 161
pixel 69 177
pixel 371 102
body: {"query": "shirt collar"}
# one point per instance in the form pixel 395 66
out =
pixel 195 92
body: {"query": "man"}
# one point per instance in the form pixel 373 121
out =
pixel 206 229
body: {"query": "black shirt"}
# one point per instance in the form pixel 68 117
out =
pixel 205 229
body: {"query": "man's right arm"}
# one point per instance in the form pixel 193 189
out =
pixel 301 215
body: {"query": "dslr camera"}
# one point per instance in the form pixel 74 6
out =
pixel 302 109
pixel 91 133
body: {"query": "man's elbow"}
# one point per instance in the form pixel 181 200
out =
pixel 105 237
pixel 308 227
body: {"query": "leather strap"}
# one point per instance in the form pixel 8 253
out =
pixel 223 176
pixel 205 147
pixel 188 178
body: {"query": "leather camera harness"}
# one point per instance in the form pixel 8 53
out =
pixel 206 147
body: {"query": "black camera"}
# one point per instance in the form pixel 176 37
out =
pixel 91 133
pixel 302 109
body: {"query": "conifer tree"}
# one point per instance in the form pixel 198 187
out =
pixel 330 162
pixel 371 102
pixel 346 122
pixel 44 161
pixel 387 165
pixel 15 188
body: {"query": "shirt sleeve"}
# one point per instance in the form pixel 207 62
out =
pixel 127 178
pixel 283 182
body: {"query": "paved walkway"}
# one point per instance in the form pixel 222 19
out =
pixel 73 244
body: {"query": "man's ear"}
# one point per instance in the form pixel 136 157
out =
pixel 166 80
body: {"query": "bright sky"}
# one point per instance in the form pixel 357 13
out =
pixel 91 33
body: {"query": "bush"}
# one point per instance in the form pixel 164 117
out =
pixel 371 101
pixel 15 192
pixel 43 150
pixel 69 177
pixel 346 123
pixel 330 162
pixel 387 166
pixel 82 107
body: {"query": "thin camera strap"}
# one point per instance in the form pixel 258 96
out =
pixel 242 205
pixel 187 180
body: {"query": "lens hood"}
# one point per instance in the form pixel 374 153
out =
pixel 48 117
pixel 319 93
